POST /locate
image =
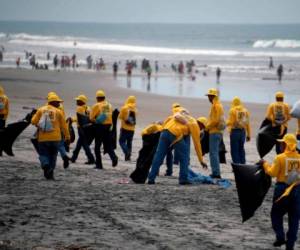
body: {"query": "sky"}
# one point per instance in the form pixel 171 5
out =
pixel 153 11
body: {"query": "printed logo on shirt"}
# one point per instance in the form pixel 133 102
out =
pixel 279 113
pixel 242 119
pixel 292 164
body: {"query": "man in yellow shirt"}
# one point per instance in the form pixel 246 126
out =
pixel 175 128
pixel 215 126
pixel 4 108
pixel 286 169
pixel 278 113
pixel 51 125
pixel 82 119
pixel 239 129
pixel 101 116
pixel 128 120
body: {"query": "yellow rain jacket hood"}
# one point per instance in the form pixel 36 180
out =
pixel 128 108
pixel 216 120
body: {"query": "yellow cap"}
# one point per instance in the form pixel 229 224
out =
pixel 212 92
pixel 202 120
pixel 100 93
pixel 279 94
pixel 131 99
pixel 82 98
pixel 51 93
pixel 289 139
pixel 53 98
pixel 236 101
pixel 176 105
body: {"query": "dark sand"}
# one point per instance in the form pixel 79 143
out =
pixel 90 209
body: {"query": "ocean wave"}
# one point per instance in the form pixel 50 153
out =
pixel 278 43
pixel 82 43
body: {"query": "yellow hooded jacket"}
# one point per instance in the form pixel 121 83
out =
pixel 82 110
pixel 130 105
pixel 283 164
pixel 238 117
pixel 58 123
pixel 180 130
pixel 99 108
pixel 5 101
pixel 216 122
pixel 278 110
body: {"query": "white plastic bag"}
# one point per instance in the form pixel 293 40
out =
pixel 295 112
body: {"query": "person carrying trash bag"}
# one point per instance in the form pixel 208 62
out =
pixel 286 199
pixel 278 113
pixel 215 126
pixel 128 121
pixel 101 116
pixel 4 108
pixel 239 129
pixel 51 126
pixel 174 129
pixel 82 119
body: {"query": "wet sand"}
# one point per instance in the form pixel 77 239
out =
pixel 89 209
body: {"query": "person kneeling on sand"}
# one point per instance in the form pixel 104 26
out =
pixel 174 129
pixel 101 116
pixel 82 119
pixel 128 120
pixel 51 125
pixel 286 199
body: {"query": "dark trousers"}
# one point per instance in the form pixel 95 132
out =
pixel 125 141
pixel 289 205
pixel 2 123
pixel 279 149
pixel 103 135
pixel 82 143
pixel 237 142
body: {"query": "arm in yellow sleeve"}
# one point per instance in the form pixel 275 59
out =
pixel 195 133
pixel 122 115
pixel 214 118
pixel 273 169
pixel 248 127
pixel 36 118
pixel 93 113
pixel 7 108
pixel 230 120
pixel 269 114
pixel 63 126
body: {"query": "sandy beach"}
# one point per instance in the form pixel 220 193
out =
pixel 88 209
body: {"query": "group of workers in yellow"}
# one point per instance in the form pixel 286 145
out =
pixel 175 133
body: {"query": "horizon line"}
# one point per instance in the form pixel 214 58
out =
pixel 175 23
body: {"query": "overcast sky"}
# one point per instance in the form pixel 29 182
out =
pixel 170 11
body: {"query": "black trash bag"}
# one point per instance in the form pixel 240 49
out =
pixel 266 139
pixel 144 160
pixel 71 129
pixel 86 128
pixel 9 134
pixel 115 116
pixel 204 140
pixel 252 185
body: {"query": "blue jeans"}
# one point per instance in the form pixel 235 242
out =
pixel 165 141
pixel 62 149
pixel 82 143
pixel 290 205
pixel 169 162
pixel 48 153
pixel 237 142
pixel 125 141
pixel 214 145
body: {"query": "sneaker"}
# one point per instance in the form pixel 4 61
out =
pixel 279 243
pixel 185 183
pixel 89 162
pixel 215 176
pixel 66 160
pixel 72 160
pixel 151 182
pixel 127 157
pixel 115 162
